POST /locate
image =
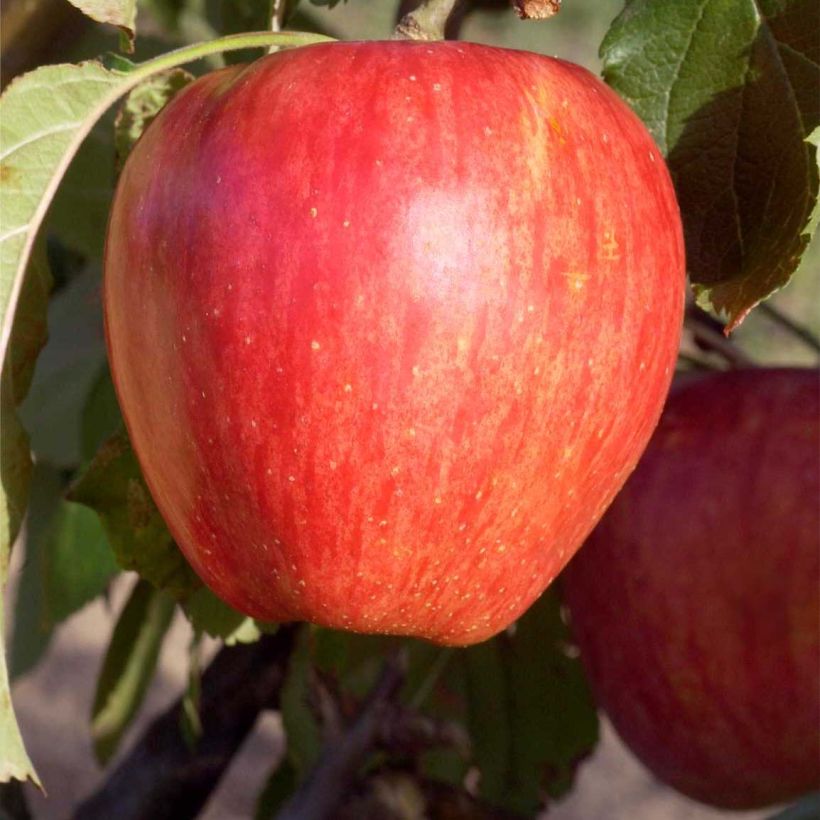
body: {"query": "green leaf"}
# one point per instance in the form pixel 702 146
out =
pixel 531 715
pixel 27 337
pixel 66 372
pixel 101 417
pixel 44 116
pixel 129 665
pixel 113 486
pixel 354 660
pixel 214 617
pixel 190 719
pixel 279 787
pixel 730 89
pixel 119 13
pixel 68 563
pixel 14 762
pixel 304 737
pixel 143 104
pixel 78 214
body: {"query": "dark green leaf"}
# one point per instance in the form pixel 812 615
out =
pixel 279 787
pixel 355 661
pixel 113 486
pixel 730 90
pixel 214 617
pixel 68 563
pixel 304 738
pixel 66 371
pixel 243 15
pixel 101 416
pixel 531 715
pixel 143 104
pixel 79 213
pixel 129 665
pixel 119 13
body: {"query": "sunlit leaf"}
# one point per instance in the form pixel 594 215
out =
pixel 730 90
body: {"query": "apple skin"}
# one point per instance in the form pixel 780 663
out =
pixel 390 323
pixel 696 600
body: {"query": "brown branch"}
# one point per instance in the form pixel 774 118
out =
pixel 335 773
pixel 427 21
pixel 162 777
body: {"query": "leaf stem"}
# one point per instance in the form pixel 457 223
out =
pixel 427 22
pixel 232 42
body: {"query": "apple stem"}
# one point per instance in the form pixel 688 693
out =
pixel 427 22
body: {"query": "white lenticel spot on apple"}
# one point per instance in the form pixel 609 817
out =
pixel 314 345
pixel 291 478
pixel 314 212
pixel 412 78
pixel 346 223
pixel 488 131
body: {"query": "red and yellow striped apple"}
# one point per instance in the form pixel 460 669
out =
pixel 696 600
pixel 390 323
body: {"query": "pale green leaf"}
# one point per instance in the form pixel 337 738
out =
pixel 129 665
pixel 14 762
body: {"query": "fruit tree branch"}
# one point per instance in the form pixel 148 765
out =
pixel 163 777
pixel 336 771
pixel 427 21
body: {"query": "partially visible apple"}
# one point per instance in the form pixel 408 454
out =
pixel 390 324
pixel 696 600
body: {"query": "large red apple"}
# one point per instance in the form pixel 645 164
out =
pixel 390 324
pixel 696 601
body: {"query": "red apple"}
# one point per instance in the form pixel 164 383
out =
pixel 390 323
pixel 696 601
